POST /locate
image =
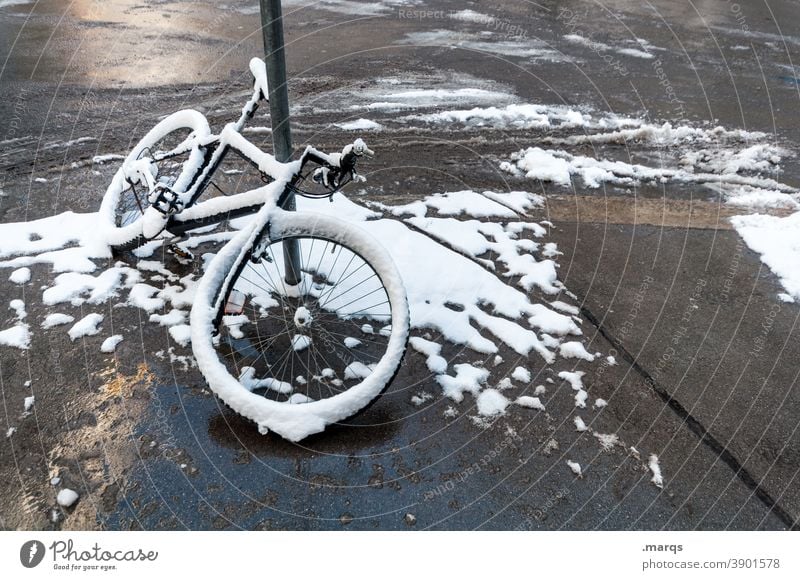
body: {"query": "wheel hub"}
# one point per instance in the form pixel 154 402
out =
pixel 302 317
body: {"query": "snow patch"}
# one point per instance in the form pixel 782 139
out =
pixel 491 402
pixel 530 402
pixel 655 468
pixel 360 125
pixel 574 349
pixel 20 276
pixel 89 325
pixel 521 375
pixel 110 344
pixel 575 379
pixel 67 498
pixel 575 467
pixel 777 240
pixel 468 379
pixel 436 363
pixel 56 319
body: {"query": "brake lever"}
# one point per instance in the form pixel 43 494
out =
pixel 361 150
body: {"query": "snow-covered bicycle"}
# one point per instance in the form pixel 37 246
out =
pixel 301 319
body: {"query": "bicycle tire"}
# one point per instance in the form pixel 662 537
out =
pixel 291 420
pixel 122 217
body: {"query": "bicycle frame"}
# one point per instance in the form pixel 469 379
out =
pixel 196 215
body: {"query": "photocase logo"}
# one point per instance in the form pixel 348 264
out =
pixel 31 553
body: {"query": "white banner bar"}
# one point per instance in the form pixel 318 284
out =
pixel 379 555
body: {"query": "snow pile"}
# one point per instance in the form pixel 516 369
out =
pixel 485 204
pixel 47 241
pixel 248 380
pixel 777 239
pixel 521 374
pixel 473 292
pixel 421 398
pixel 731 170
pixel 418 91
pixel 515 116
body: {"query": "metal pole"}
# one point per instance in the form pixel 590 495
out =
pixel 272 30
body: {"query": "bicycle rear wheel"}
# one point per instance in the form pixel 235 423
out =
pixel 170 153
pixel 296 358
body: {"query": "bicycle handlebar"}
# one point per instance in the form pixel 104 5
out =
pixel 339 164
pixel 334 167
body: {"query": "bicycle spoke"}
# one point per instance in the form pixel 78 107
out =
pixel 333 280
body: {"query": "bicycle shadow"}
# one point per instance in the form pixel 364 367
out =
pixel 368 433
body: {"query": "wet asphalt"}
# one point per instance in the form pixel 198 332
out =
pixel 710 384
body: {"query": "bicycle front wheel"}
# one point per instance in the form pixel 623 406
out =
pixel 297 358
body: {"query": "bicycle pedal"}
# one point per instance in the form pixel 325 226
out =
pixel 165 200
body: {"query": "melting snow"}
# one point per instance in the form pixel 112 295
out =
pixel 20 276
pixel 521 374
pixel 468 379
pixel 655 468
pixel 360 125
pixel 474 305
pixel 420 398
pixel 777 239
pixel 607 440
pixel 110 344
pixel 18 336
pixel 357 370
pixel 436 363
pixel 56 319
pixel 86 326
pixel 530 402
pixel 249 381
pixel 530 49
pixel 491 402
pixel 575 379
pixel 574 349
pixel 67 497
pixel 351 342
